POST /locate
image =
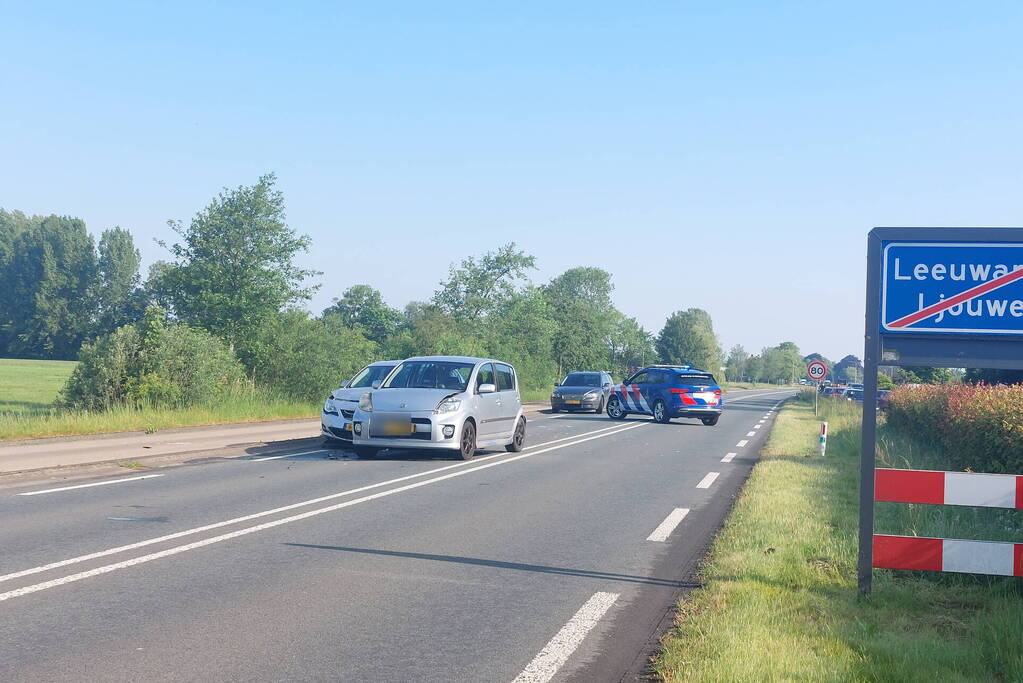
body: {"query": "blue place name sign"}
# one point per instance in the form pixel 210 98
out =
pixel 952 288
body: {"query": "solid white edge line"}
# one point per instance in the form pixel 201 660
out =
pixel 85 486
pixel 259 527
pixel 708 480
pixel 728 458
pixel 664 529
pixel 742 444
pixel 557 651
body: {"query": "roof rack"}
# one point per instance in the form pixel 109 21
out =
pixel 672 365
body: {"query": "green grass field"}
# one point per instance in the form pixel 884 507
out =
pixel 779 599
pixel 29 387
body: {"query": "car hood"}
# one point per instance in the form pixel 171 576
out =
pixel 568 389
pixel 410 399
pixel 350 394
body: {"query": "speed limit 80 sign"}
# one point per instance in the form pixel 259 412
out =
pixel 816 370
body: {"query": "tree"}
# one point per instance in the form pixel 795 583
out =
pixel 631 346
pixel 363 306
pixel 118 299
pixel 235 267
pixel 474 290
pixel 48 289
pixel 735 364
pixel 848 365
pixel 580 302
pixel 688 337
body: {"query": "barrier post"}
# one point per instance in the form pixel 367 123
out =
pixel 822 446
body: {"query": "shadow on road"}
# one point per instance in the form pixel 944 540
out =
pixel 499 564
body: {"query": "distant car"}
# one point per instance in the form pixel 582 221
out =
pixel 339 408
pixel 667 391
pixel 833 392
pixel 854 395
pixel 452 403
pixel 582 391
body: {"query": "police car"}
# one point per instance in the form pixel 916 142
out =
pixel 667 391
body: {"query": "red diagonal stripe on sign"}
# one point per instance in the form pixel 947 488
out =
pixel 946 304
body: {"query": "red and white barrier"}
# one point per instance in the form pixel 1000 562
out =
pixel 948 555
pixel 948 488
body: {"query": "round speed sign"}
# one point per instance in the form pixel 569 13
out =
pixel 816 370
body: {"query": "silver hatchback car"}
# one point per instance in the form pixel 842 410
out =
pixel 453 403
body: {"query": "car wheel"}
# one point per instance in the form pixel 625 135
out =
pixel 615 409
pixel 709 421
pixel 661 412
pixel 467 445
pixel 366 452
pixel 519 438
pixel 600 407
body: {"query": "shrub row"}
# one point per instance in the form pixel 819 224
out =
pixel 979 426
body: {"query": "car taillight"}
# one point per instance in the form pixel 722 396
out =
pixel 680 391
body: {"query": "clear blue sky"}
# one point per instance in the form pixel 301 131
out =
pixel 729 156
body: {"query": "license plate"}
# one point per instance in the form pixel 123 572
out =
pixel 397 428
pixel 573 402
pixel 707 396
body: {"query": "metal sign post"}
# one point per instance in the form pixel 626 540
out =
pixel 936 297
pixel 816 371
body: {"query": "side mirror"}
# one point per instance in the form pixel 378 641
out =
pixel 487 388
pixel 606 385
pixel 347 382
pixel 376 384
pixel 556 385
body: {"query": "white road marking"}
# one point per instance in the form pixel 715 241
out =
pixel 728 458
pixel 751 433
pixel 708 480
pixel 742 444
pixel 266 525
pixel 85 486
pixel 756 426
pixel 557 651
pixel 289 455
pixel 664 529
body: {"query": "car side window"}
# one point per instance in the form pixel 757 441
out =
pixel 485 375
pixel 641 378
pixel 659 377
pixel 505 377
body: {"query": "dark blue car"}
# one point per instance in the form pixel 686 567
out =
pixel 667 391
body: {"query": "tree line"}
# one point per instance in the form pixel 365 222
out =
pixel 227 306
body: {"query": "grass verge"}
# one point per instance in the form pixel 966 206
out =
pixel 126 419
pixel 779 599
pixel 28 387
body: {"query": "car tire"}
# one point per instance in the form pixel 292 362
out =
pixel 600 407
pixel 660 412
pixel 615 409
pixel 366 452
pixel 467 442
pixel 710 421
pixel 555 410
pixel 518 438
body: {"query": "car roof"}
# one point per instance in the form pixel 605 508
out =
pixel 376 364
pixel 459 359
pixel 683 369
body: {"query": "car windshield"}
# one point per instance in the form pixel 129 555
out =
pixel 581 379
pixel 431 374
pixel 368 375
pixel 696 379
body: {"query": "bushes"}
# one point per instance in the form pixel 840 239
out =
pixel 979 426
pixel 153 364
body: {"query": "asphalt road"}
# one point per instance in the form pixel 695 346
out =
pixel 558 562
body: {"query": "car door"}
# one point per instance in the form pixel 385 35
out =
pixel 654 388
pixel 632 391
pixel 507 387
pixel 488 418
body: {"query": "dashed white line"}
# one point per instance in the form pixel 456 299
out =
pixel 708 480
pixel 757 426
pixel 85 486
pixel 289 455
pixel 266 525
pixel 728 458
pixel 664 529
pixel 557 651
pixel 751 433
pixel 742 444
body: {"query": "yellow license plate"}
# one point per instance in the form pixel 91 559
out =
pixel 573 402
pixel 397 428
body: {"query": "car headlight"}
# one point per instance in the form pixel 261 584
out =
pixel 448 405
pixel 591 394
pixel 366 402
pixel 328 406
